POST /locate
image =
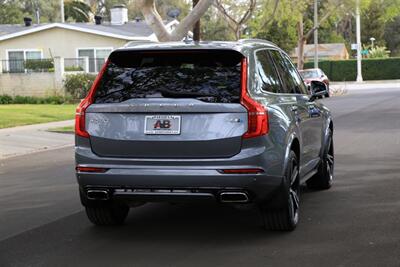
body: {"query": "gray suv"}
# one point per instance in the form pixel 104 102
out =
pixel 229 122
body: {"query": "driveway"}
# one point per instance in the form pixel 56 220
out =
pixel 356 223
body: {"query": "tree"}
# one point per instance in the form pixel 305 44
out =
pixel 303 35
pixel 49 10
pixel 392 36
pixel 154 20
pixel 237 13
pixel 281 20
pixel 10 13
pixel 77 10
pixel 215 27
pixel 282 33
pixel 373 23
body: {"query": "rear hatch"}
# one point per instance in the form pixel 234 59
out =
pixel 168 104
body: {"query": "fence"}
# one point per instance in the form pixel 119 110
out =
pixel 81 64
pixel 29 65
pixel 42 77
pixel 76 64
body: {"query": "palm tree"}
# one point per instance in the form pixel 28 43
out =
pixel 77 10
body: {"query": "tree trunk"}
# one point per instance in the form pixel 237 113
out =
pixel 197 27
pixel 238 33
pixel 188 22
pixel 301 42
pixel 154 20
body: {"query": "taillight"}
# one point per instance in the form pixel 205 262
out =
pixel 257 114
pixel 80 123
pixel 80 128
pixel 90 169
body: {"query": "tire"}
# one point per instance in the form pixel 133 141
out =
pixel 323 179
pixel 107 214
pixel 285 218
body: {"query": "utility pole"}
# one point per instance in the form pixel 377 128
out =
pixel 316 34
pixel 62 11
pixel 358 30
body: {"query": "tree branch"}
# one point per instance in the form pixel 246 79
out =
pixel 266 23
pixel 325 17
pixel 155 22
pixel 188 22
pixel 224 12
pixel 153 19
pixel 234 24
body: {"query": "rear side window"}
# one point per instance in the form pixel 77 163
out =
pixel 300 87
pixel 266 73
pixel 293 85
pixel 210 76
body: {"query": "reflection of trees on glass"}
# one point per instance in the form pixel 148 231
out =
pixel 216 83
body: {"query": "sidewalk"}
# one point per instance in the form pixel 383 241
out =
pixel 23 140
pixel 365 85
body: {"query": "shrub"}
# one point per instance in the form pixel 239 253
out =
pixel 73 68
pixel 378 52
pixel 78 85
pixel 372 69
pixel 6 99
pixel 39 64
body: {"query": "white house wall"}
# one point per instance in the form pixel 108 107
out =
pixel 57 42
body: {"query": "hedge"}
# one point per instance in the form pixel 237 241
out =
pixel 7 99
pixel 372 69
pixel 39 64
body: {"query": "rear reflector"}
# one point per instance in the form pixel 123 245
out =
pixel 80 122
pixel 90 169
pixel 241 171
pixel 257 113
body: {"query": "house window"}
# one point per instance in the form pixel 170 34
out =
pixel 17 58
pixel 97 57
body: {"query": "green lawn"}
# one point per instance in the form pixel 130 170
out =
pixel 66 129
pixel 16 115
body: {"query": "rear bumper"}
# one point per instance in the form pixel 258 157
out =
pixel 198 176
pixel 177 184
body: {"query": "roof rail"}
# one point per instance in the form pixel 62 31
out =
pixel 139 42
pixel 255 40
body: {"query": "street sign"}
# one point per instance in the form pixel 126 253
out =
pixel 353 46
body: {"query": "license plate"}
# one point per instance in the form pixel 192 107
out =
pixel 162 124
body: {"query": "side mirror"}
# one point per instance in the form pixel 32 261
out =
pixel 318 89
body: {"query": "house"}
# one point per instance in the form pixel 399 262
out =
pixel 95 41
pixel 336 51
pixel 36 58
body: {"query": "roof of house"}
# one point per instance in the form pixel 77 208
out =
pixel 129 31
pixel 324 50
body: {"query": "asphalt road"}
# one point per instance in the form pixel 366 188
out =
pixel 356 223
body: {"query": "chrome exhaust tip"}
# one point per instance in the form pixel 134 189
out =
pixel 233 197
pixel 97 194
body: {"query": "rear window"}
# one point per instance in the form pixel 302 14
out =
pixel 210 76
pixel 307 74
